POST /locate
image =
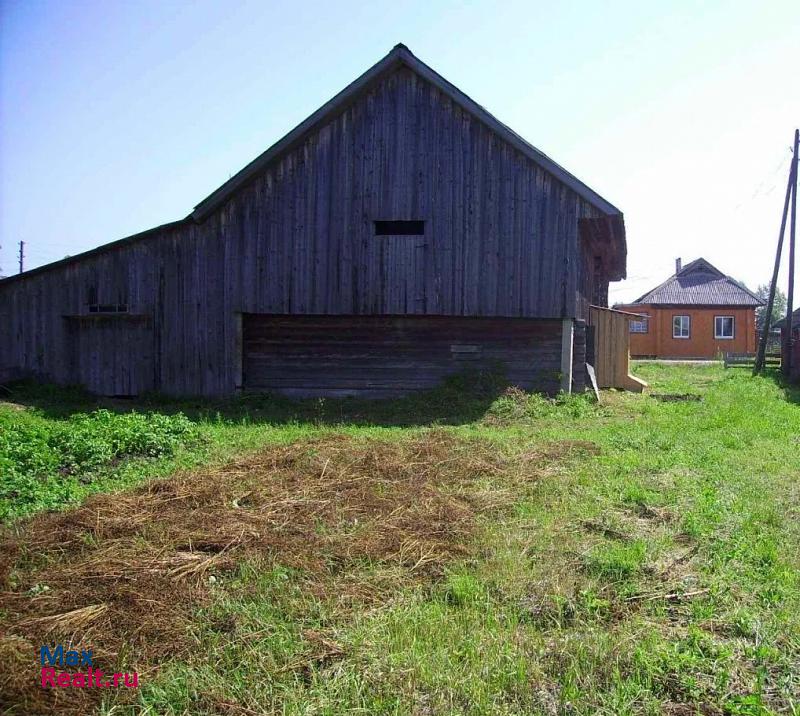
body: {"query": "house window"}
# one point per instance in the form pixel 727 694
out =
pixel 108 308
pixel 680 326
pixel 640 325
pixel 399 228
pixel 723 327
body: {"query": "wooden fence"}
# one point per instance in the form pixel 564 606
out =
pixel 747 360
pixel 612 349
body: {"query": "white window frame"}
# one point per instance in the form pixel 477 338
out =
pixel 643 322
pixel 717 334
pixel 680 335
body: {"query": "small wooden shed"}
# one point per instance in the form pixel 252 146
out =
pixel 610 336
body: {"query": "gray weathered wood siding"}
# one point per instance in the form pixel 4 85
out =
pixel 501 240
pixel 100 352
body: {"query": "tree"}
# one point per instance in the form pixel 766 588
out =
pixel 778 307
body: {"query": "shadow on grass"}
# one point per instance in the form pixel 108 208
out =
pixel 461 399
pixel 791 389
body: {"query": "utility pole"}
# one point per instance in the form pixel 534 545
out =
pixel 21 255
pixel 762 344
pixel 787 364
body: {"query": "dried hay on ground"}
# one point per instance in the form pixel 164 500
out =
pixel 124 573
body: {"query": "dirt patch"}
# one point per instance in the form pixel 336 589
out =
pixel 124 573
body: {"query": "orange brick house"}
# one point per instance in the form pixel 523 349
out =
pixel 698 312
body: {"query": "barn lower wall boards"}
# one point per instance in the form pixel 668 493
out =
pixel 384 356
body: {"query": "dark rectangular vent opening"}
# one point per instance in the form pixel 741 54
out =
pixel 399 228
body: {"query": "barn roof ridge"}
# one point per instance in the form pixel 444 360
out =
pixel 399 56
pixel 673 292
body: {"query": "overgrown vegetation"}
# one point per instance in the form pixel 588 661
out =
pixel 59 445
pixel 525 557
pixel 47 463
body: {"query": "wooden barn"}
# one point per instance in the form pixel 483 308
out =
pixel 399 234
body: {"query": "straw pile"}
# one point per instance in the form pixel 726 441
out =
pixel 124 573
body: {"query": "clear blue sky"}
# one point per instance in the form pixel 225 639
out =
pixel 118 116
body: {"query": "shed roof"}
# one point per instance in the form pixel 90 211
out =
pixel 700 284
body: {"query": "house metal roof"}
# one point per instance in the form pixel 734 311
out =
pixel 700 284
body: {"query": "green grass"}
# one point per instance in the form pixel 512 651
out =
pixel 59 445
pixel 46 463
pixel 657 573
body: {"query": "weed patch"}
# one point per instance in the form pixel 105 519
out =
pixel 43 463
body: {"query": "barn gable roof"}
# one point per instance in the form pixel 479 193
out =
pixel 699 283
pixel 611 229
pixel 400 56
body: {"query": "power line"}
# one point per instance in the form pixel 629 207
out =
pixel 768 177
